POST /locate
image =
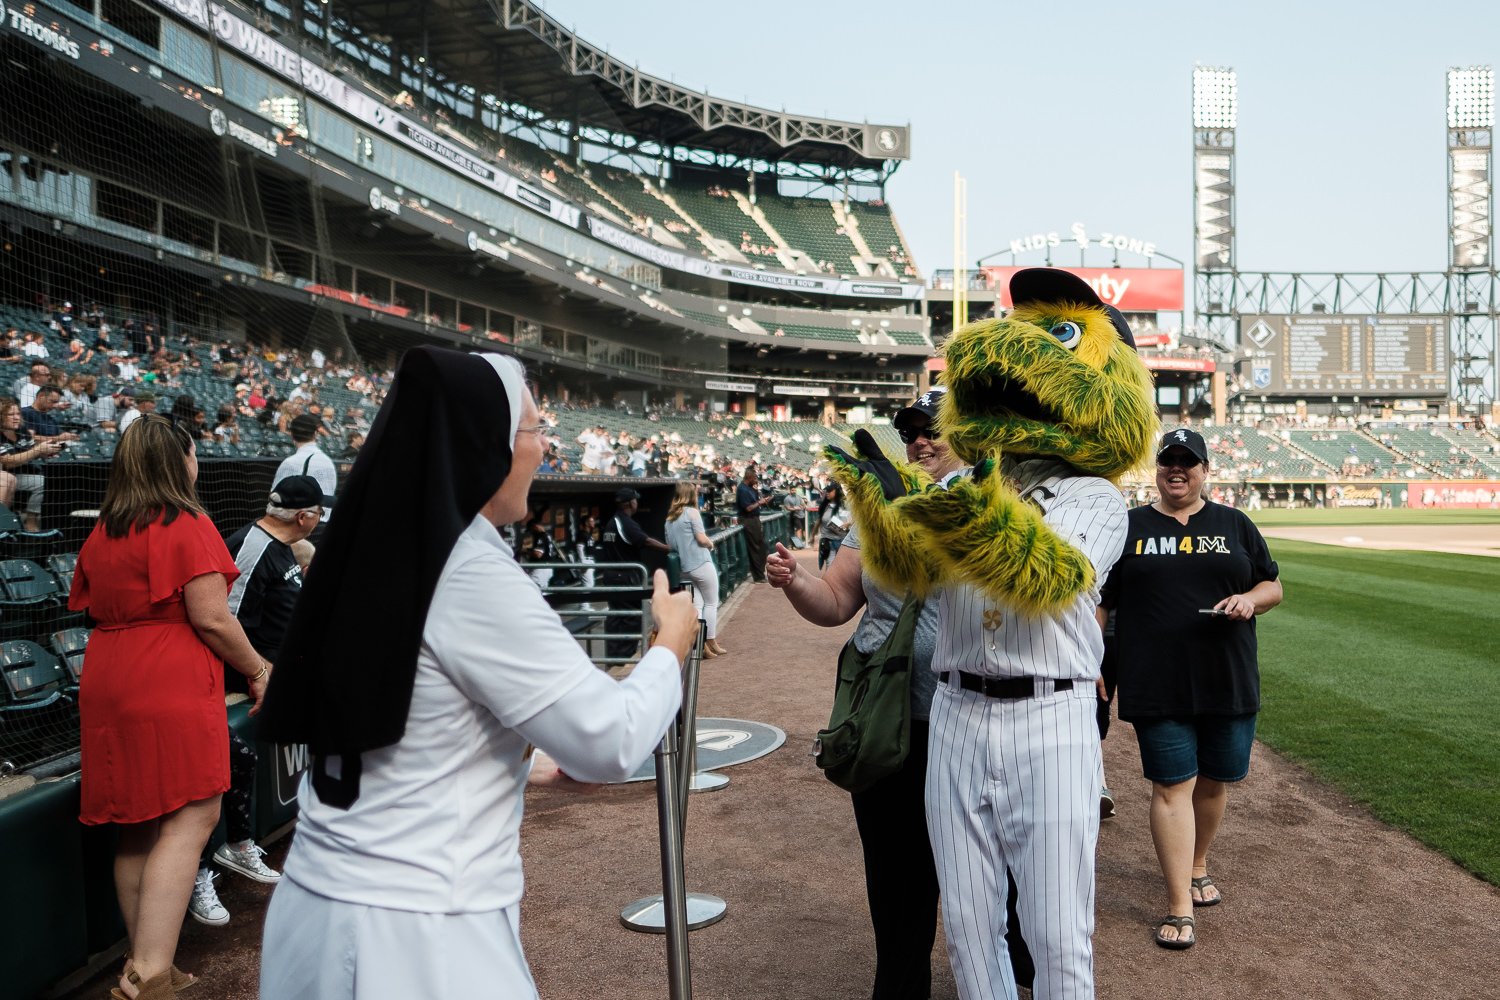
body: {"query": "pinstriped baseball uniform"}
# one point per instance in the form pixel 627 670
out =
pixel 1014 782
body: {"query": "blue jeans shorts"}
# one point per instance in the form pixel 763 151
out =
pixel 1176 749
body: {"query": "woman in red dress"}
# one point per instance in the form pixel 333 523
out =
pixel 154 575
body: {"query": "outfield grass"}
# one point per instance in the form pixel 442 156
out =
pixel 1304 517
pixel 1381 673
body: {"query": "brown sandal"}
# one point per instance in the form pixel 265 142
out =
pixel 158 987
pixel 181 981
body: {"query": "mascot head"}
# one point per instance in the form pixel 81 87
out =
pixel 1058 377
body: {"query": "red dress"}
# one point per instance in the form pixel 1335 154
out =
pixel 151 702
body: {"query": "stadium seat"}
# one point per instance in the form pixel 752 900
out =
pixel 38 718
pixel 18 542
pixel 32 676
pixel 61 566
pixel 30 599
pixel 69 645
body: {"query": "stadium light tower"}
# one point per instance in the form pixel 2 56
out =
pixel 1471 122
pixel 1215 117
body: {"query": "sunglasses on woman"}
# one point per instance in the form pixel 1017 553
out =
pixel 911 435
pixel 1177 461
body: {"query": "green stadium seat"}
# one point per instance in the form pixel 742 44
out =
pixel 69 645
pixel 32 676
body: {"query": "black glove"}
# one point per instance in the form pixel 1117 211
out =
pixel 871 462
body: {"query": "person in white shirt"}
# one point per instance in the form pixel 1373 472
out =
pixel 38 375
pixel 595 446
pixel 309 460
pixel 145 402
pixel 404 879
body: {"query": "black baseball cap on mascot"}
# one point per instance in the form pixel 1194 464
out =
pixel 1184 438
pixel 1053 284
pixel 925 404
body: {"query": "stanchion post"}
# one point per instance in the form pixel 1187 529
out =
pixel 676 911
pixel 670 803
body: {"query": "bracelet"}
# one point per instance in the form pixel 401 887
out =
pixel 265 668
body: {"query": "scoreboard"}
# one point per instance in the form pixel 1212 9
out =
pixel 1340 355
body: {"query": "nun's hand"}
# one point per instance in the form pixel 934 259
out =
pixel 676 621
pixel 545 773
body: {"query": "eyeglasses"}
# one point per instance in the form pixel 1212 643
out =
pixel 1178 461
pixel 911 435
pixel 539 430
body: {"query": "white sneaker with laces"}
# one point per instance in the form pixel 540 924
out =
pixel 205 906
pixel 247 862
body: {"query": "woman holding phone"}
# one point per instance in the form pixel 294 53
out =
pixel 1193 576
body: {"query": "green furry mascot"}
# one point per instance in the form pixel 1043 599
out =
pixel 1050 405
pixel 1057 378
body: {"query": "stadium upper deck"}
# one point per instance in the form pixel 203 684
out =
pixel 270 149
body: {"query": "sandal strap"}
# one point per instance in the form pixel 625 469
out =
pixel 1178 922
pixel 1203 880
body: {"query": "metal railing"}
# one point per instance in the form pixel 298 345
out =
pixel 675 911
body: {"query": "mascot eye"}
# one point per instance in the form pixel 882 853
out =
pixel 1068 334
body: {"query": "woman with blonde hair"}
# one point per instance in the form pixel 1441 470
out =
pixel 154 575
pixel 691 543
pixel 290 410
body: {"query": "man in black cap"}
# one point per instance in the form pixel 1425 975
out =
pixel 270 580
pixel 622 540
pixel 309 460
pixel 262 598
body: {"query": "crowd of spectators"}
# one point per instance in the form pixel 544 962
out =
pixel 141 364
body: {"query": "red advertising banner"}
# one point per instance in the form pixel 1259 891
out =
pixel 1128 289
pixel 1473 493
pixel 1163 364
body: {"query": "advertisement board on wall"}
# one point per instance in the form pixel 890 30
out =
pixel 1473 493
pixel 1128 289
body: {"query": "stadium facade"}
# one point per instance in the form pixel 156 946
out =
pixel 364 176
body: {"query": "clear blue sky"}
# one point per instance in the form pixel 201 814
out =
pixel 1080 111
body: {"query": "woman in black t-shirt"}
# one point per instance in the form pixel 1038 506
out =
pixel 1186 590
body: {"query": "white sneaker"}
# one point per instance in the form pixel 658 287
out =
pixel 205 906
pixel 247 862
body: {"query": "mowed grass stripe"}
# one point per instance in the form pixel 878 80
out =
pixel 1381 673
pixel 1304 517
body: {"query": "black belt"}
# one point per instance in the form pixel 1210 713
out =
pixel 1002 687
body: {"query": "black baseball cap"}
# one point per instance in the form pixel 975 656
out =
pixel 925 404
pixel 297 493
pixel 625 494
pixel 1184 437
pixel 1053 284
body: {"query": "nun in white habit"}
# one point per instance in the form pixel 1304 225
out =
pixel 419 666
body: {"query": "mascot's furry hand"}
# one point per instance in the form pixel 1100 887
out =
pixel 871 461
pixel 891 547
pixel 981 531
